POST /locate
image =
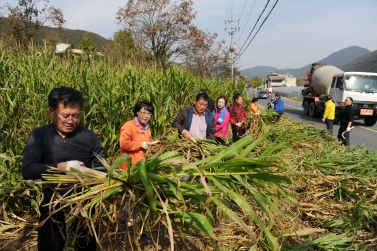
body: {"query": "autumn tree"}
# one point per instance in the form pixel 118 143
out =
pixel 28 17
pixel 203 55
pixel 87 45
pixel 158 26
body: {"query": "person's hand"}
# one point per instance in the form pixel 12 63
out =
pixel 144 145
pixel 348 129
pixel 323 120
pixel 238 124
pixel 188 135
pixel 75 164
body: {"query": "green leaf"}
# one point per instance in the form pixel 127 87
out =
pixel 200 222
pixel 147 183
pixel 245 206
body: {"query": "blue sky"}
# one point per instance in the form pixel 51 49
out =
pixel 297 32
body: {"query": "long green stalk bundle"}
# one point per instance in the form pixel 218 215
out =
pixel 289 186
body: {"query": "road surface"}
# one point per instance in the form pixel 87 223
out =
pixel 360 135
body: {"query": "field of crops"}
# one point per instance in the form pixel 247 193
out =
pixel 284 186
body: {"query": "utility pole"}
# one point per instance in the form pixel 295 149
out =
pixel 232 44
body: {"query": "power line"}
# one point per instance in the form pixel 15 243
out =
pixel 240 54
pixel 247 19
pixel 254 25
pixel 227 8
pixel 243 9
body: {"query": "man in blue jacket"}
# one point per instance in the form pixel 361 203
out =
pixel 196 121
pixel 278 106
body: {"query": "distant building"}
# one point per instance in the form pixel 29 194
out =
pixel 278 80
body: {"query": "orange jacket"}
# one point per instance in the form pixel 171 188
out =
pixel 131 136
pixel 254 109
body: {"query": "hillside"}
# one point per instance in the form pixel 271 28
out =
pixel 367 63
pixel 65 36
pixel 340 58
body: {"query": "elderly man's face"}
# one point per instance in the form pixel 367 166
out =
pixel 200 106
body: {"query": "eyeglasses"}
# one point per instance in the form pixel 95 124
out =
pixel 145 113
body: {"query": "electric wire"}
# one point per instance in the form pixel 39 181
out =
pixel 255 25
pixel 243 9
pixel 247 20
pixel 240 54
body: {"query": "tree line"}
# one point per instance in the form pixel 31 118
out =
pixel 155 32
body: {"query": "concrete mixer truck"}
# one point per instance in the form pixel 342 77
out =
pixel 324 79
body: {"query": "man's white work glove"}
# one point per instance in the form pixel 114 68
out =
pixel 348 129
pixel 238 124
pixel 323 120
pixel 144 145
pixel 75 164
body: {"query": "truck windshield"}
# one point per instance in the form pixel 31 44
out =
pixel 361 83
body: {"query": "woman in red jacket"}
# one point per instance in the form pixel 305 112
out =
pixel 237 116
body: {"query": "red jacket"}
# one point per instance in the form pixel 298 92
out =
pixel 237 114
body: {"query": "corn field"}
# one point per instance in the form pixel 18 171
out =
pixel 284 186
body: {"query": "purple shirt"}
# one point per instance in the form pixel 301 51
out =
pixel 198 126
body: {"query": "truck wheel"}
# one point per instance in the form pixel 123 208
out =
pixel 370 121
pixel 312 112
pixel 306 108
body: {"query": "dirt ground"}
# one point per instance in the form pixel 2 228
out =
pixel 154 240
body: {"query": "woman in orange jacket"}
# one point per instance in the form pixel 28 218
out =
pixel 254 109
pixel 135 134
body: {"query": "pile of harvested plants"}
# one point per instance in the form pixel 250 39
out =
pixel 283 186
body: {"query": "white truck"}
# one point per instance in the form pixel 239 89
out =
pixel 324 79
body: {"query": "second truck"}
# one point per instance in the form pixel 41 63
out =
pixel 324 80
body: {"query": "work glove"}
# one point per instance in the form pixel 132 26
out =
pixel 238 124
pixel 348 129
pixel 144 145
pixel 323 120
pixel 75 164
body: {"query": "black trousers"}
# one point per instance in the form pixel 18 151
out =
pixel 346 139
pixel 329 125
pixel 50 233
pixel 221 141
pixel 237 134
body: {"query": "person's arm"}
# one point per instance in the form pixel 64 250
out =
pixel 31 167
pixel 126 141
pixel 233 116
pixel 212 128
pixel 98 149
pixel 350 117
pixel 179 121
pixel 327 110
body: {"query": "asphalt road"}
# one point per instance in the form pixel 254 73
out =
pixel 360 135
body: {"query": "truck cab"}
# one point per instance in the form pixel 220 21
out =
pixel 362 87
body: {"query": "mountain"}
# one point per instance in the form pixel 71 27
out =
pixel 54 36
pixel 366 63
pixel 342 58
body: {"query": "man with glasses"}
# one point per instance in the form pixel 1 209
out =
pixel 346 120
pixel 63 144
pixel 135 134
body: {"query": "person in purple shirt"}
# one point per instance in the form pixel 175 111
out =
pixel 196 121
